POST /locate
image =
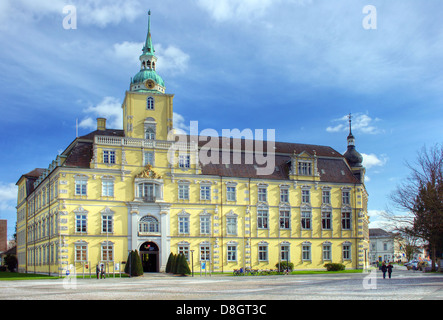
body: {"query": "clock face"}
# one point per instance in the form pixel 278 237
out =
pixel 150 84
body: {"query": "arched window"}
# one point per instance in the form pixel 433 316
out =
pixel 150 134
pixel 150 103
pixel 148 224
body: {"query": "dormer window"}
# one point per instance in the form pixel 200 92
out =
pixel 305 168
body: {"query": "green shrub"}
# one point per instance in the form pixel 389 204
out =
pixel 282 266
pixel 169 263
pixel 134 265
pixel 334 266
pixel 182 265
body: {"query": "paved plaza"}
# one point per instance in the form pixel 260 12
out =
pixel 404 285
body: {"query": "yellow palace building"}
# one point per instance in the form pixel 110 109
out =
pixel 145 188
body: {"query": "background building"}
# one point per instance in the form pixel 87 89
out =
pixel 381 245
pixel 146 188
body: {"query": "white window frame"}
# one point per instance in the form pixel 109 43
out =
pixel 205 192
pixel 306 252
pixel 263 254
pixel 183 191
pixel 107 249
pixel 81 250
pixel 81 187
pixel 109 156
pixel 231 193
pixel 184 161
pixel 231 252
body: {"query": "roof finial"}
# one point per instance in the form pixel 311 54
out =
pixel 350 120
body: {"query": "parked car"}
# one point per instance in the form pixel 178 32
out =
pixel 413 264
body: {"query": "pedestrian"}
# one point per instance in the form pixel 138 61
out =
pixel 102 272
pixel 383 269
pixel 97 270
pixel 389 268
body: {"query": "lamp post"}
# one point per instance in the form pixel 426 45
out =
pixel 192 261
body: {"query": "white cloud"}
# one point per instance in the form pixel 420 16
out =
pixel 109 108
pixel 8 196
pixel 361 123
pixel 171 59
pixel 88 12
pixel 372 160
pixel 223 10
pixel 179 124
pixel 128 51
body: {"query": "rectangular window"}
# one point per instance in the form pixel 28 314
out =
pixel 326 220
pixel 231 226
pixel 232 253
pixel 107 252
pixel 107 223
pixel 346 252
pixel 284 219
pixel 306 219
pixel 262 194
pixel 205 225
pixel 346 197
pixel 184 161
pixel 183 225
pixel 80 223
pixel 304 168
pixel 183 192
pixel 262 219
pixel 263 253
pixel 346 220
pixel 230 194
pixel 326 252
pixel 184 250
pixel 205 253
pixel 205 192
pixel 305 196
pixel 80 187
pixel 306 252
pixel 284 195
pixel 107 188
pixel 148 158
pixel 81 252
pixel 284 253
pixel 326 197
pixel 108 156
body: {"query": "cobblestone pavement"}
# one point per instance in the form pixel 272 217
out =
pixel 404 285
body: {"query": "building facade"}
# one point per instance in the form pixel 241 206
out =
pixel 147 188
pixel 382 246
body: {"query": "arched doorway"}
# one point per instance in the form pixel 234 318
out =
pixel 149 254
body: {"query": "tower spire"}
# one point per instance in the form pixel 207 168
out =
pixel 350 119
pixel 147 78
pixel 149 48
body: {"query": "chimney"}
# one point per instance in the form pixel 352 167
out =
pixel 101 124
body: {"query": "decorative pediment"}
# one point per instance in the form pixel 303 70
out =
pixel 148 173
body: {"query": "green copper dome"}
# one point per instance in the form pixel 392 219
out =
pixel 146 74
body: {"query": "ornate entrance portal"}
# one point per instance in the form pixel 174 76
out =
pixel 149 254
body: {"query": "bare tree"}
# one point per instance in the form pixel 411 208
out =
pixel 421 197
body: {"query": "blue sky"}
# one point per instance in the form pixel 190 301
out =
pixel 296 66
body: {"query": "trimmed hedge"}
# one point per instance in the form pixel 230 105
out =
pixel 134 263
pixel 334 266
pixel 177 264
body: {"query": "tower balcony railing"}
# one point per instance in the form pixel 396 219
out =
pixel 136 142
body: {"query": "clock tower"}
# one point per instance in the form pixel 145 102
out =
pixel 147 108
